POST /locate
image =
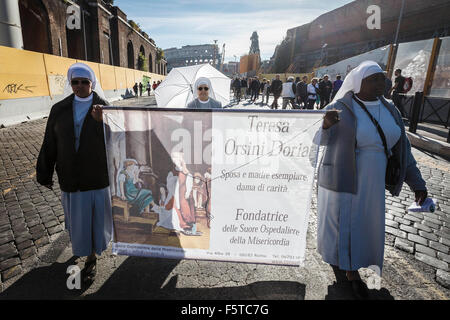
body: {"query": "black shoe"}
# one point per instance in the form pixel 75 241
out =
pixel 360 290
pixel 89 271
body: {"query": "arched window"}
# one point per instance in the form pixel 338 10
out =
pixel 141 63
pixel 130 53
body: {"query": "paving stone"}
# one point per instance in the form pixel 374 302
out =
pixel 37 228
pixel 404 245
pixel 18 222
pixel 417 239
pixel 6 233
pixel 444 257
pixel 22 237
pixel 4 221
pixel 412 218
pixel 440 247
pixel 51 223
pixel 30 262
pixel 38 234
pixel 41 241
pixel 55 229
pixel 396 207
pixel 433 220
pixel 402 221
pixel 428 235
pixel 27 252
pixel 445 241
pixel 33 223
pixel 431 225
pixel 391 223
pixel 9 263
pixel 25 244
pixel 396 232
pixel 408 229
pixel 438 264
pixel 5 228
pixel 443 278
pixel 422 227
pixel 14 271
pixel 442 234
pixel 7 250
pixel 426 250
pixel 445 229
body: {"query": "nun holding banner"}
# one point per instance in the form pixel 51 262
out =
pixel 361 131
pixel 74 143
pixel 202 98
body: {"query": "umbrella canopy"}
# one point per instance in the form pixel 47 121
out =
pixel 177 90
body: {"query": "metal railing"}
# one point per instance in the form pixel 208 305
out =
pixel 420 108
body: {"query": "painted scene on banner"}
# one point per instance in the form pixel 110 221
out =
pixel 230 186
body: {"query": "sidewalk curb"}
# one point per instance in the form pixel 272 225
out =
pixel 429 144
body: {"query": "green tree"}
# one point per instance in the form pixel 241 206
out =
pixel 142 62
pixel 159 54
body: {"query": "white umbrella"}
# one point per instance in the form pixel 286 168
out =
pixel 177 90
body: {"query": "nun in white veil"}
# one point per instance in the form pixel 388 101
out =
pixel 203 95
pixel 74 143
pixel 351 177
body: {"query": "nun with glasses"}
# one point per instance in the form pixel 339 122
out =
pixel 203 93
pixel 74 144
pixel 351 181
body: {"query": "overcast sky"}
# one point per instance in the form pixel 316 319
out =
pixel 176 23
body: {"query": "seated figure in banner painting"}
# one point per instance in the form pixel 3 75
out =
pixel 131 187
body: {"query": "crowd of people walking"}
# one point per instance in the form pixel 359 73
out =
pixel 298 93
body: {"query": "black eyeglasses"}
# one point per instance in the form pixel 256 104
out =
pixel 203 88
pixel 84 82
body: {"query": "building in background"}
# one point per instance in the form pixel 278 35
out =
pixel 343 32
pixel 191 55
pixel 231 68
pixel 102 33
pixel 249 65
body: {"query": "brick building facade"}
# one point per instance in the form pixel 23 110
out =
pixel 103 33
pixel 343 32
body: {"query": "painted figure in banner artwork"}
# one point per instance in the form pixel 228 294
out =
pixel 131 187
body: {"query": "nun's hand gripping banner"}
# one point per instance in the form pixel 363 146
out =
pixel 228 185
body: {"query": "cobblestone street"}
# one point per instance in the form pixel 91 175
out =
pixel 32 238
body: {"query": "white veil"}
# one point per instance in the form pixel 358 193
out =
pixel 77 67
pixel 200 81
pixel 353 80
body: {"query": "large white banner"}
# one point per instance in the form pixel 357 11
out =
pixel 228 185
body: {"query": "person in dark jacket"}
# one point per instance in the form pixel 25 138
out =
pixel 244 88
pixel 255 89
pixel 135 89
pixel 276 87
pixel 301 92
pixel 237 89
pixel 325 88
pixel 336 86
pixel 74 143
